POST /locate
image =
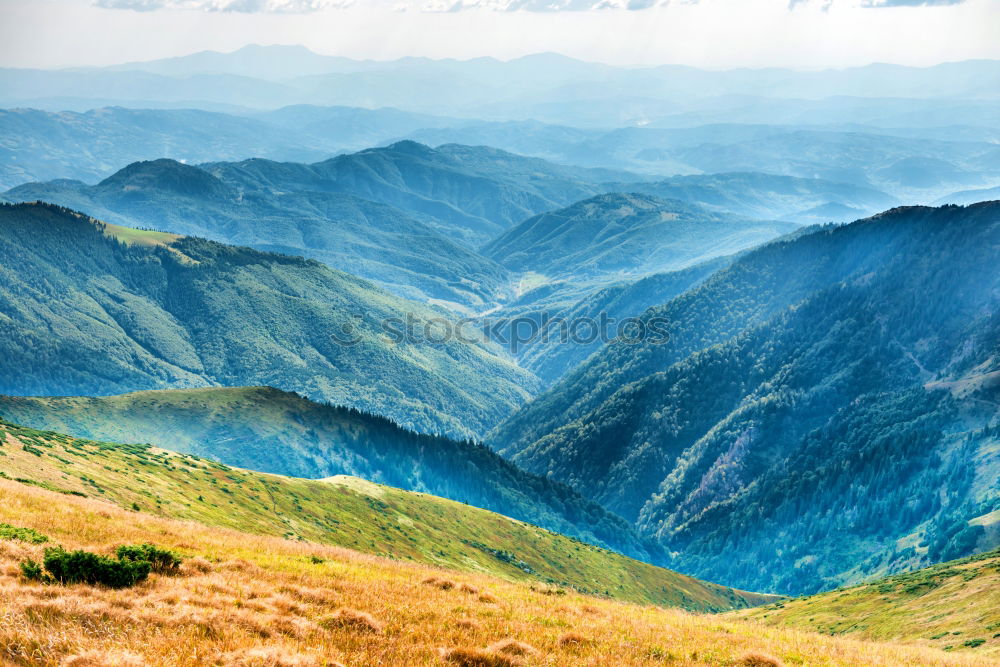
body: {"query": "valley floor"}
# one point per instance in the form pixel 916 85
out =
pixel 243 599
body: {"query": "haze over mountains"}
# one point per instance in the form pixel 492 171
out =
pixel 316 273
pixel 533 83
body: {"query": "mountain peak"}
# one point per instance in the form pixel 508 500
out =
pixel 167 175
pixel 411 147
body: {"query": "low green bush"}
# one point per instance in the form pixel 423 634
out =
pixel 160 560
pixel 9 532
pixel 84 567
pixel 132 565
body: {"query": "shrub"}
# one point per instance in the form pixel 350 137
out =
pixel 32 570
pixel 134 563
pixel 83 567
pixel 9 532
pixel 160 560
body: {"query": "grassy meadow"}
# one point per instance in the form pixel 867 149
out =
pixel 243 599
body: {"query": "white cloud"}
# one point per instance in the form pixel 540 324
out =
pixel 432 6
pixel 245 6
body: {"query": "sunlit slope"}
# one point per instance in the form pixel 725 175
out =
pixel 264 429
pixel 244 599
pixel 952 606
pixel 345 512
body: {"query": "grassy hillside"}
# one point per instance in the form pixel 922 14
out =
pixel 88 310
pixel 953 606
pixel 795 432
pixel 260 428
pixel 341 511
pixel 243 599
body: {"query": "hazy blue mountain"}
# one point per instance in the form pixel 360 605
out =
pixel 553 354
pixel 264 62
pixel 903 166
pixel 842 163
pixel 855 161
pixel 469 193
pixel 371 240
pixel 971 196
pixel 771 197
pixel 824 408
pixel 615 236
pixel 264 429
pixel 90 146
pixel 354 128
pixel 540 86
pixel 95 309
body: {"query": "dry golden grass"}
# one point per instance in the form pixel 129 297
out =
pixel 471 657
pixel 760 660
pixel 249 600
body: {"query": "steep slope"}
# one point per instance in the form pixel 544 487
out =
pixel 249 599
pixel 89 309
pixel 624 235
pixel 340 511
pixel 265 429
pixel 556 326
pixel 813 399
pixel 469 194
pixel 954 606
pixel 371 240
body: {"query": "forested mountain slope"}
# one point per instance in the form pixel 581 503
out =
pixel 362 237
pixel 621 235
pixel 469 193
pixel 93 309
pixel 821 411
pixel 264 429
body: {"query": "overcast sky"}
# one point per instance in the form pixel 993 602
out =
pixel 704 33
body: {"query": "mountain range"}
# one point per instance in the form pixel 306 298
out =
pixel 143 310
pixel 868 167
pixel 810 400
pixel 617 236
pixel 504 89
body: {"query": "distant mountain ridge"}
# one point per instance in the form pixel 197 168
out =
pixel 624 235
pixel 251 77
pixel 372 240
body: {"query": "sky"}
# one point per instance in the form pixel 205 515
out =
pixel 715 34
